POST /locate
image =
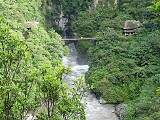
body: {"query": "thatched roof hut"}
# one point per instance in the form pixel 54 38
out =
pixel 130 26
pixel 31 24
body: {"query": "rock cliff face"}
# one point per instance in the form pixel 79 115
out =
pixel 62 21
pixel 60 14
pixel 95 3
pixel 116 2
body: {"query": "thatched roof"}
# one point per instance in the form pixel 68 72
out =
pixel 132 24
pixel 31 24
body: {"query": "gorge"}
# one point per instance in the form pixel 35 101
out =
pixel 94 110
pixel 118 68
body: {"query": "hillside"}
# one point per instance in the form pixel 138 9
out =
pixel 31 65
pixel 123 69
pixel 124 60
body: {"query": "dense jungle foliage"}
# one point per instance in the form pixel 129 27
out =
pixel 124 69
pixel 31 68
pixel 68 9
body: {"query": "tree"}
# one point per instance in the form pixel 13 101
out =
pixel 60 101
pixel 25 81
pixel 14 80
pixel 156 7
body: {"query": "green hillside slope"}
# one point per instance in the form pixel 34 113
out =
pixel 31 66
pixel 123 69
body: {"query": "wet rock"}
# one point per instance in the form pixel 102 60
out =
pixel 102 101
pixel 120 111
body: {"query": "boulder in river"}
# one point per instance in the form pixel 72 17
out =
pixel 102 101
pixel 120 110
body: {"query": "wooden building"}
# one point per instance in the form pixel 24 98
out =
pixel 29 25
pixel 130 26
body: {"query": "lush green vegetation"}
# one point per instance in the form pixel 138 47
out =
pixel 69 9
pixel 31 69
pixel 124 68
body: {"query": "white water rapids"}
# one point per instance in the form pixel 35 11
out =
pixel 94 110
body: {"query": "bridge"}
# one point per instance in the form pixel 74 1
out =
pixel 74 39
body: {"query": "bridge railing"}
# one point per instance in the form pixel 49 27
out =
pixel 69 37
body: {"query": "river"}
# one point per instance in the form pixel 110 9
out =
pixel 94 110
